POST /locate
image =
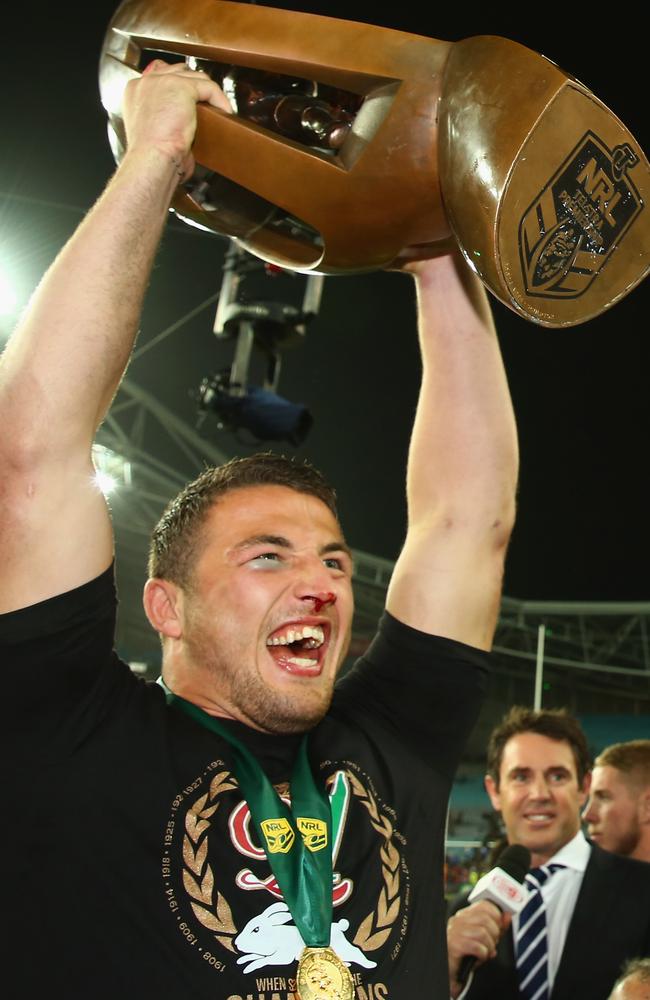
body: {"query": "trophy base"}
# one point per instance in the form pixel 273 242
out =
pixel 561 184
pixel 571 235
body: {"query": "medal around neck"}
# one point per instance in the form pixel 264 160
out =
pixel 298 844
pixel 323 976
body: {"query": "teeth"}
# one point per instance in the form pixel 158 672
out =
pixel 313 633
pixel 301 661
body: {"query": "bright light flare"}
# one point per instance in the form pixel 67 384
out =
pixel 111 470
pixel 106 483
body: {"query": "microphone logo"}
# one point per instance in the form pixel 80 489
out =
pixel 507 887
pixel 501 889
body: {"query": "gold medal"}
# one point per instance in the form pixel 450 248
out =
pixel 323 976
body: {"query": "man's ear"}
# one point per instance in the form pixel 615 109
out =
pixel 493 792
pixel 163 605
pixel 584 791
pixel 644 806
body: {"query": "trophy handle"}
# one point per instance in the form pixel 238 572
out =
pixel 354 208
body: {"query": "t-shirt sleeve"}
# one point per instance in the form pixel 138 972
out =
pixel 60 673
pixel 425 689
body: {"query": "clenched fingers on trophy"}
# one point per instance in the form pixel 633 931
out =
pixel 353 147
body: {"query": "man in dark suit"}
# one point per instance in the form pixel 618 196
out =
pixel 592 908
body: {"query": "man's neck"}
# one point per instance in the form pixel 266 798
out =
pixel 537 860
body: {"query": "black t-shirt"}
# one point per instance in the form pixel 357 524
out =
pixel 130 866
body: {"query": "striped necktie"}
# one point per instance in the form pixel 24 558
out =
pixel 531 941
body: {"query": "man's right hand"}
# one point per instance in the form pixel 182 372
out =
pixel 474 930
pixel 159 110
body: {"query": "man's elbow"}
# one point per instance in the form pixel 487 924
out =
pixel 502 526
pixel 489 527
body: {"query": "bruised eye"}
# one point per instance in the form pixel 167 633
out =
pixel 265 559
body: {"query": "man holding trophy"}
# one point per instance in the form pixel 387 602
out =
pixel 244 828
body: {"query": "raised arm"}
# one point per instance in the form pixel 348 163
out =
pixel 462 467
pixel 64 362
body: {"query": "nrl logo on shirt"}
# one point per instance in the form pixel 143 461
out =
pixel 278 835
pixel 313 833
pixel 577 220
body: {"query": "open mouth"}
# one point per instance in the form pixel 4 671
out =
pixel 539 817
pixel 299 647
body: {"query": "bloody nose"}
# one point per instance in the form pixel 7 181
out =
pixel 321 600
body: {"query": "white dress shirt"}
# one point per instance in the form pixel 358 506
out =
pixel 560 893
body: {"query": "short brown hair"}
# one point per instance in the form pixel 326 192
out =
pixel 176 537
pixel 555 723
pixel 634 968
pixel 632 758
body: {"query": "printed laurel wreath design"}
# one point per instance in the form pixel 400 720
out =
pixel 209 905
pixel 376 927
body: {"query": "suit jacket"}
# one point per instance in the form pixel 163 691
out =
pixel 610 923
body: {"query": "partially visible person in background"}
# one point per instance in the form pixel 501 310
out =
pixel 618 810
pixel 634 983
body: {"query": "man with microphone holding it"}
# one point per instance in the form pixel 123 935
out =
pixel 586 911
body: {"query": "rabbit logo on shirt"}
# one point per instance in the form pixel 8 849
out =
pixel 270 939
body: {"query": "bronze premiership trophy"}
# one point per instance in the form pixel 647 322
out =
pixel 355 147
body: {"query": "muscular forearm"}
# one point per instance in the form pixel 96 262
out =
pixel 64 362
pixel 464 456
pixel 462 467
pixel 63 365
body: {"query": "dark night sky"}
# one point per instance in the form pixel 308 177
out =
pixel 581 394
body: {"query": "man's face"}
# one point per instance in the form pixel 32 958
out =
pixel 538 796
pixel 266 621
pixel 612 814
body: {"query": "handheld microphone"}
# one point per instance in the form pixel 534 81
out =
pixel 503 886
